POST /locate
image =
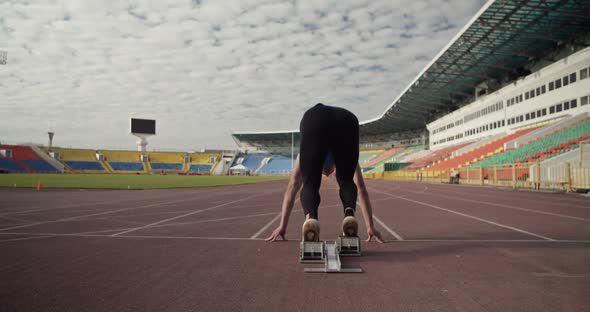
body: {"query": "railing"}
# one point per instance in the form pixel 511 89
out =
pixel 565 177
pixel 274 172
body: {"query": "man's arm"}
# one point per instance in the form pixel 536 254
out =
pixel 288 201
pixel 366 208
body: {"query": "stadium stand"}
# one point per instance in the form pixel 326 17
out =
pixel 9 165
pixel 478 143
pixel 485 150
pixel 545 131
pixel 419 153
pixel 79 159
pixel 79 165
pixel 122 156
pixel 165 166
pixel 200 168
pixel 367 155
pixel 558 142
pixel 382 157
pixel 432 157
pixel 166 161
pixel 39 165
pixel 277 165
pixel 124 161
pixel 380 166
pixel 126 166
pixel 203 162
pixel 252 161
pixel 24 159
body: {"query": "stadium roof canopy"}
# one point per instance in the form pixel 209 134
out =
pixel 498 42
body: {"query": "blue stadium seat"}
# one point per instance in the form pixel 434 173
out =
pixel 164 166
pixel 40 165
pixel 278 164
pixel 11 165
pixel 84 165
pixel 126 166
pixel 252 161
pixel 200 168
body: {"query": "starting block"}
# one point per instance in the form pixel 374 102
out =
pixel 312 252
pixel 329 254
pixel 349 246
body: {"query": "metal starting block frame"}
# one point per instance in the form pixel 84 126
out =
pixel 329 254
pixel 349 246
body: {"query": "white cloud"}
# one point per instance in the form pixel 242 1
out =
pixel 206 68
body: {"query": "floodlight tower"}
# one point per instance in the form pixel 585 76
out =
pixel 50 134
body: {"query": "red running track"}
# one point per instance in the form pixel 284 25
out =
pixel 450 248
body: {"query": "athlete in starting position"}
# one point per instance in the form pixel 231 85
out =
pixel 329 140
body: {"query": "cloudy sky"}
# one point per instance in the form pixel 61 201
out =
pixel 206 68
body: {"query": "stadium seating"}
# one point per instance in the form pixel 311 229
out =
pixel 126 166
pixel 478 153
pixel 68 154
pixel 545 131
pixel 83 160
pixel 10 165
pixel 122 156
pixel 84 165
pixel 549 146
pixel 199 168
pixel 253 161
pixel 165 166
pixel 432 157
pixel 166 160
pixel 201 162
pixel 277 165
pixel 39 165
pixel 382 157
pixel 416 155
pixel 24 159
pixel 367 155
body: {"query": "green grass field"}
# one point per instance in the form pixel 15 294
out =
pixel 113 181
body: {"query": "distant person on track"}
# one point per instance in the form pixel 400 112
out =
pixel 329 140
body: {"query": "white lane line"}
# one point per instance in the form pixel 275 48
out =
pixel 103 231
pixel 513 207
pixel 214 220
pixel 536 241
pixel 101 213
pixel 392 232
pixel 271 222
pixel 135 236
pixel 388 229
pixel 193 237
pixel 521 194
pixel 14 219
pixel 469 216
pixel 264 228
pixel 185 215
pixel 25 238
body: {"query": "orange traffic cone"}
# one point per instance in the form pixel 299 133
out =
pixel 39 185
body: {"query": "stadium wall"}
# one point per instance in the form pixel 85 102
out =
pixel 532 100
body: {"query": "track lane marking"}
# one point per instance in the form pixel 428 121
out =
pixel 536 241
pixel 468 216
pixel 186 215
pixel 392 232
pixel 26 238
pixel 102 213
pixel 514 207
pixel 271 222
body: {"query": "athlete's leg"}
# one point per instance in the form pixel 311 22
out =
pixel 345 147
pixel 312 153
